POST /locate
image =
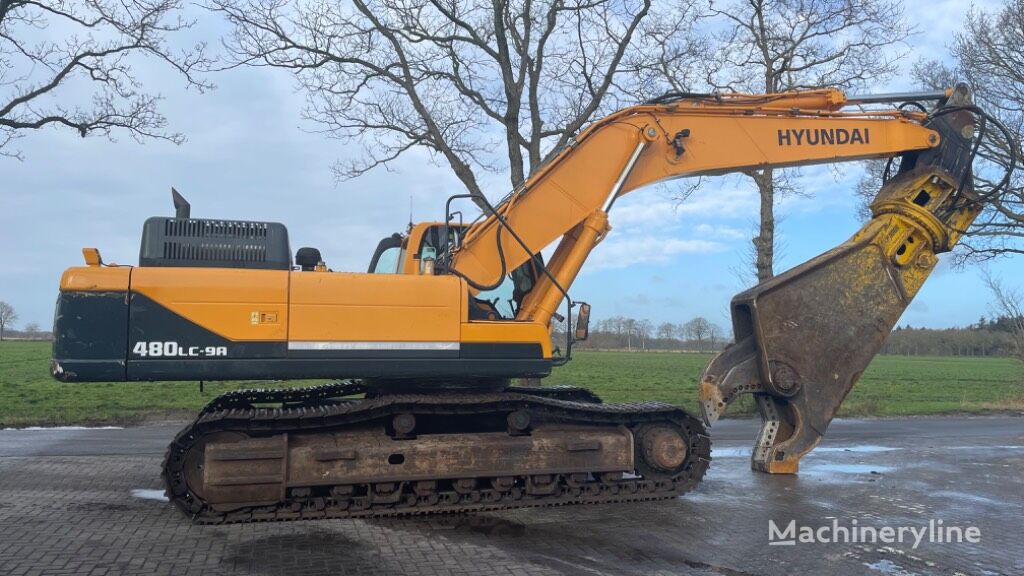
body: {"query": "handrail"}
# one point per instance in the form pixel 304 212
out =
pixel 447 252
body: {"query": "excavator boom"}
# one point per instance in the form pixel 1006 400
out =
pixel 645 144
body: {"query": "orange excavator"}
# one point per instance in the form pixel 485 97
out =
pixel 425 415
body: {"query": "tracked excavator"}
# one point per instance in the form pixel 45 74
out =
pixel 424 348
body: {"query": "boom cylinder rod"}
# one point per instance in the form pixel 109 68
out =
pixel 617 187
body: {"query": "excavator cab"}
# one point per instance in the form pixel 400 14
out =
pixel 500 302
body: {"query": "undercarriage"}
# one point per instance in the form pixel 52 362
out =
pixel 325 452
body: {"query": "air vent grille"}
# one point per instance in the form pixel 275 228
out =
pixel 208 252
pixel 175 228
pixel 203 243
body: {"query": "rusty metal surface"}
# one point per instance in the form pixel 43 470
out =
pixel 369 455
pixel 327 459
pixel 804 338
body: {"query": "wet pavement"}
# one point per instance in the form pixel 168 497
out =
pixel 89 502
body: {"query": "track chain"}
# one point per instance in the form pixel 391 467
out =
pixel 250 397
pixel 235 411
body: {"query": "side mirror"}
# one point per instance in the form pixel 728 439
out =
pixel 583 322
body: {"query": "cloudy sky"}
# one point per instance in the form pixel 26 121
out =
pixel 249 156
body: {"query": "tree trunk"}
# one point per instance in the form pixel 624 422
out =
pixel 764 243
pixel 517 172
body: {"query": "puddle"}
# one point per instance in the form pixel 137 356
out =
pixel 310 547
pixel 465 523
pixel 730 452
pixel 846 469
pixel 149 494
pixel 861 449
pixel 960 496
pixel 889 567
pixel 46 428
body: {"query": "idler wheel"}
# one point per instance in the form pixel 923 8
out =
pixel 661 450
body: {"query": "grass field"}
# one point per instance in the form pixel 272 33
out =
pixel 891 386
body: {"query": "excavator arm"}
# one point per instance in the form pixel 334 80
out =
pixel 802 338
pixel 569 197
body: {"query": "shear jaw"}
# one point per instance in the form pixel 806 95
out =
pixel 784 437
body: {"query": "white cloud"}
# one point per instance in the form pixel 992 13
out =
pixel 630 213
pixel 717 200
pixel 720 232
pixel 623 251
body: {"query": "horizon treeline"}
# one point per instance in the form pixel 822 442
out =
pixel 987 337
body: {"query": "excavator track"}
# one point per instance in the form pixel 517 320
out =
pixel 235 431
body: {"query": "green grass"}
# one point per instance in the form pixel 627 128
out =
pixel 891 386
pixel 29 396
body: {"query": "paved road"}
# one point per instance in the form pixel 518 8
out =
pixel 88 502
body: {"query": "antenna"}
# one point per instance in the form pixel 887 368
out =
pixel 182 209
pixel 410 211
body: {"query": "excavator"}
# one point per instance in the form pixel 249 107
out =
pixel 428 351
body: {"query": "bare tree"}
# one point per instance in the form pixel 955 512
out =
pixel 698 329
pixel 988 55
pixel 52 50
pixel 7 317
pixel 666 331
pixel 629 327
pixel 643 332
pixel 471 81
pixel 1009 303
pixel 765 46
pixel 714 333
pixel 31 330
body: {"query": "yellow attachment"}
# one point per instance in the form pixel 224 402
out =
pixel 804 338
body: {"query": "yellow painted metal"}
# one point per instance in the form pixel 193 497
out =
pixel 225 301
pixel 96 279
pixel 727 135
pixel 566 264
pixel 376 307
pixel 562 200
pixel 485 331
pixel 411 264
pixel 92 257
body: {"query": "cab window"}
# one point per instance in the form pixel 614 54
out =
pixel 388 256
pixel 508 296
pixel 388 261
